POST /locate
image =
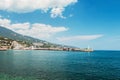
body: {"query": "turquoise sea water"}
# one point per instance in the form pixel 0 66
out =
pixel 59 65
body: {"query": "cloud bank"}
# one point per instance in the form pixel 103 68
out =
pixel 56 7
pixel 37 30
pixel 79 38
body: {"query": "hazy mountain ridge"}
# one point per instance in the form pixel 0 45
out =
pixel 4 32
pixel 7 33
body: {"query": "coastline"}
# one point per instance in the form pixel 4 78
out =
pixel 55 49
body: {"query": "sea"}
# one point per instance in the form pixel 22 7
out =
pixel 59 65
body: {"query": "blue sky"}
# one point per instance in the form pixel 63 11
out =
pixel 72 22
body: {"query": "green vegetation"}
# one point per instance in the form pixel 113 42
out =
pixel 28 44
pixel 5 41
pixel 11 35
pixel 17 37
pixel 7 36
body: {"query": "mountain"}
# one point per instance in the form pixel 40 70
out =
pixel 4 32
pixel 7 33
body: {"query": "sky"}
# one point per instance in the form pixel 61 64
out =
pixel 71 22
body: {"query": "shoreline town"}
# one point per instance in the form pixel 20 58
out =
pixel 8 44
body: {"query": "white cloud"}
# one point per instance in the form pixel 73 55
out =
pixel 56 7
pixel 57 12
pixel 20 26
pixel 37 30
pixel 4 22
pixel 79 38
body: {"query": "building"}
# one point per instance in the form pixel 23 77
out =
pixel 16 45
pixel 37 45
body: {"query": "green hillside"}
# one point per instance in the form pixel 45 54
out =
pixel 15 36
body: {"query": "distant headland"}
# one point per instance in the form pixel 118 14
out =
pixel 11 40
